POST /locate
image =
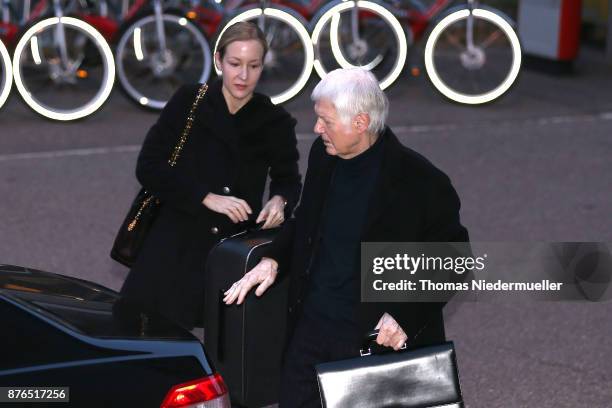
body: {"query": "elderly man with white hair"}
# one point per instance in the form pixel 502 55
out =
pixel 362 185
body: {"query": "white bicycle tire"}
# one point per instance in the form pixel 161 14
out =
pixel 107 59
pixel 379 10
pixel 486 97
pixel 7 78
pixel 302 34
pixel 171 18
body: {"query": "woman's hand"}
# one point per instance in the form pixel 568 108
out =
pixel 273 212
pixel 236 209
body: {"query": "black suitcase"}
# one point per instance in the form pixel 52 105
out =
pixel 245 343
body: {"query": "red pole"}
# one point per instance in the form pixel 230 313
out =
pixel 569 34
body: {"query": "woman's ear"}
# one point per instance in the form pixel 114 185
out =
pixel 218 61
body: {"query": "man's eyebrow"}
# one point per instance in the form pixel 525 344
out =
pixel 321 115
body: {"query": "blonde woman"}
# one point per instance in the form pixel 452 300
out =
pixel 216 189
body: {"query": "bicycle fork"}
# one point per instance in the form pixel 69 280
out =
pixel 60 34
pixel 159 26
pixel 6 13
pixel 473 57
pixel 469 34
pixel 261 20
pixel 355 23
pixel 270 58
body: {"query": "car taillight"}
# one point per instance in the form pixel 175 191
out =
pixel 207 392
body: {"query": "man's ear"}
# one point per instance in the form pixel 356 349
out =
pixel 361 121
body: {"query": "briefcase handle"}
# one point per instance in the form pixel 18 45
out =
pixel 370 337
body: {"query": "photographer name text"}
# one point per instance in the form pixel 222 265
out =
pixel 475 285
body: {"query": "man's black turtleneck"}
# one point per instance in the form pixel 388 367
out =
pixel 334 281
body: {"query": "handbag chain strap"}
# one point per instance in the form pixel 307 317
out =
pixel 176 153
pixel 144 204
pixel 190 118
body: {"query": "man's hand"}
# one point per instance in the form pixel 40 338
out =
pixel 390 333
pixel 273 212
pixel 263 274
pixel 235 208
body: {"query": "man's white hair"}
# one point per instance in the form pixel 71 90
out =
pixel 353 91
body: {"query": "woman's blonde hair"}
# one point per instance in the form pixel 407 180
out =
pixel 242 31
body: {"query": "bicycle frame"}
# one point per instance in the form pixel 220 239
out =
pixel 8 29
pixel 108 26
pixel 420 17
pixel 305 11
pixel 209 19
pixel 420 21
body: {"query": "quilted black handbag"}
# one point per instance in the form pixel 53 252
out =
pixel 145 206
pixel 425 377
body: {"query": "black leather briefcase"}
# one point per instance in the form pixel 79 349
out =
pixel 245 343
pixel 426 377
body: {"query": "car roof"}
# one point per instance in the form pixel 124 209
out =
pixel 81 306
pixel 26 280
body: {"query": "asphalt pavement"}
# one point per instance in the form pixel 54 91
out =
pixel 535 166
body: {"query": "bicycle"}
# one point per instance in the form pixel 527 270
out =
pixel 361 33
pixel 286 51
pixel 6 77
pixel 63 68
pixel 8 33
pixel 157 51
pixel 472 54
pixel 288 63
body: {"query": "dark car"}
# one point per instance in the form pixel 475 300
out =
pixel 60 331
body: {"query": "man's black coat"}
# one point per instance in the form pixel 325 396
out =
pixel 412 201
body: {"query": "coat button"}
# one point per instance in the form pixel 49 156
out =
pixel 226 190
pixel 214 230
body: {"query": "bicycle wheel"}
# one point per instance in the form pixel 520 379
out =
pixel 369 36
pixel 288 63
pixel 6 74
pixel 473 58
pixel 63 68
pixel 150 75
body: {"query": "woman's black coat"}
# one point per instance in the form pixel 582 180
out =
pixel 224 154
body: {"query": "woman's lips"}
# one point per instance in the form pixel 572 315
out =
pixel 241 87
